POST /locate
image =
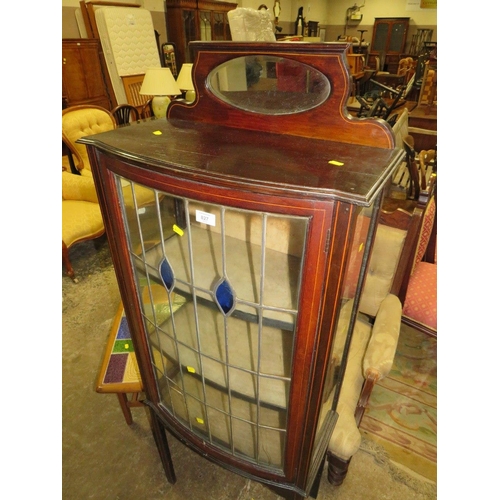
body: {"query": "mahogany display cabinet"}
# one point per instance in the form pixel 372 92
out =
pixel 190 20
pixel 388 42
pixel 239 226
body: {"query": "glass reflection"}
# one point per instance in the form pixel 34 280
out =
pixel 269 85
pixel 219 290
pixel 356 252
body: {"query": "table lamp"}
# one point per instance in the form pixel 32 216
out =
pixel 185 82
pixel 160 83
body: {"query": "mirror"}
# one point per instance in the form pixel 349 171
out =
pixel 269 85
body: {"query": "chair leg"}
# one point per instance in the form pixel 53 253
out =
pixel 67 263
pixel 337 469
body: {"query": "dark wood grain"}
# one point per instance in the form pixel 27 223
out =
pixel 210 152
pixel 329 121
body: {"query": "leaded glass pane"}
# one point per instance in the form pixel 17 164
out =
pixel 219 290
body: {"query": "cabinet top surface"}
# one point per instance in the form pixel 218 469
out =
pixel 270 118
pixel 252 160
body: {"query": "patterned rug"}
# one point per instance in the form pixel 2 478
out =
pixel 402 413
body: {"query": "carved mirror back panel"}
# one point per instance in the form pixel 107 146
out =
pixel 284 88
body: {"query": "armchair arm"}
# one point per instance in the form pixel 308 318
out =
pixel 381 348
pixel 364 397
pixel 78 187
pixel 76 159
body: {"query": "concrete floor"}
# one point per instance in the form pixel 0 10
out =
pixel 105 459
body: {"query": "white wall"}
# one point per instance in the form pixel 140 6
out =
pixel 326 12
pixel 156 7
pixel 334 11
pixel 382 8
pixel 323 11
pixel 152 5
pixel 76 3
pixel 314 10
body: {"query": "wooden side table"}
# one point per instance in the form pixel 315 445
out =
pixel 119 373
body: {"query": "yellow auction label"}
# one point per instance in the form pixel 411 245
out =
pixel 178 230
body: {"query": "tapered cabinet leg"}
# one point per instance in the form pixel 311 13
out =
pixel 315 487
pixel 163 448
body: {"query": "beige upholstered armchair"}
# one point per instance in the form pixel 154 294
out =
pixel 374 340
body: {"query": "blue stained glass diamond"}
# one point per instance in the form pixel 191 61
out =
pixel 167 275
pixel 225 297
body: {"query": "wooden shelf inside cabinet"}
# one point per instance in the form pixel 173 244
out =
pixel 255 230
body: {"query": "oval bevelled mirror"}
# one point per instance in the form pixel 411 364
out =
pixel 269 85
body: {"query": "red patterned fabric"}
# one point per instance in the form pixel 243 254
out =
pixel 425 231
pixel 421 298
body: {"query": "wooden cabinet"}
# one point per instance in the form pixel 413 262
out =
pixel 82 76
pixel 190 20
pixel 388 41
pixel 238 236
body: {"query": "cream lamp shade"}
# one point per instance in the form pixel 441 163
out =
pixel 185 81
pixel 160 83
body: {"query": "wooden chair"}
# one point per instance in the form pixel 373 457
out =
pixel 125 114
pixel 414 175
pixel 428 90
pixel 406 68
pixel 146 109
pixel 427 162
pixel 410 179
pixel 405 182
pixel 424 171
pixel 132 85
pixel 417 273
pixel 420 297
pixel 420 307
